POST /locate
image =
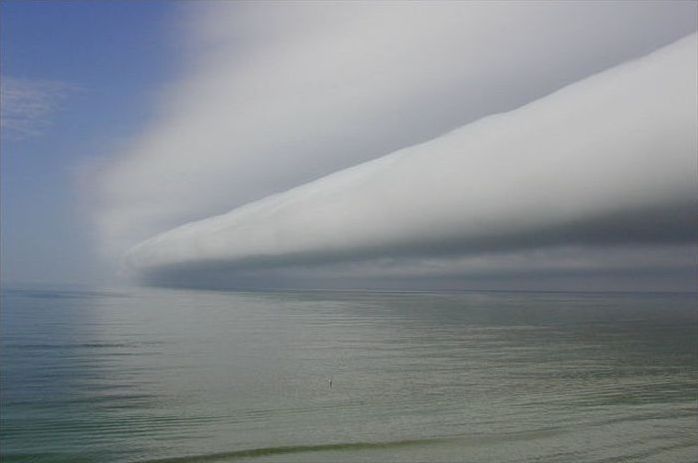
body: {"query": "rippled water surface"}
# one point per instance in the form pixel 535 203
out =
pixel 184 376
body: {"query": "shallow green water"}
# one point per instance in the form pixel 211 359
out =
pixel 186 376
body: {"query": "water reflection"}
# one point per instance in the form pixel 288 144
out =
pixel 153 374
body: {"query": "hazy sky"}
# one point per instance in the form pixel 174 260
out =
pixel 124 120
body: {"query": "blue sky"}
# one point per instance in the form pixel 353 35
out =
pixel 108 61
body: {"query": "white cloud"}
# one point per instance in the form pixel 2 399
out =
pixel 276 94
pixel 610 159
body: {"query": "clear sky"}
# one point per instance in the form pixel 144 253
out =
pixel 123 121
pixel 94 67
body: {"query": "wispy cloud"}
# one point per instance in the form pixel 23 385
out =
pixel 28 106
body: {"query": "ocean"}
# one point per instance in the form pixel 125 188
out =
pixel 156 375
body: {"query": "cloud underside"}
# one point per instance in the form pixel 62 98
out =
pixel 584 268
pixel 595 181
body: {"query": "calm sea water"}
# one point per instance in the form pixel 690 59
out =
pixel 194 376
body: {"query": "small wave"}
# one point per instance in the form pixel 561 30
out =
pixel 266 451
pixel 60 294
pixel 474 440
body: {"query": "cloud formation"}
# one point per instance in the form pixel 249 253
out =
pixel 606 165
pixel 275 94
pixel 27 105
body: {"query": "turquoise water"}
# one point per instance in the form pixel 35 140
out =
pixel 185 376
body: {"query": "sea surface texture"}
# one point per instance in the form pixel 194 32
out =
pixel 192 376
